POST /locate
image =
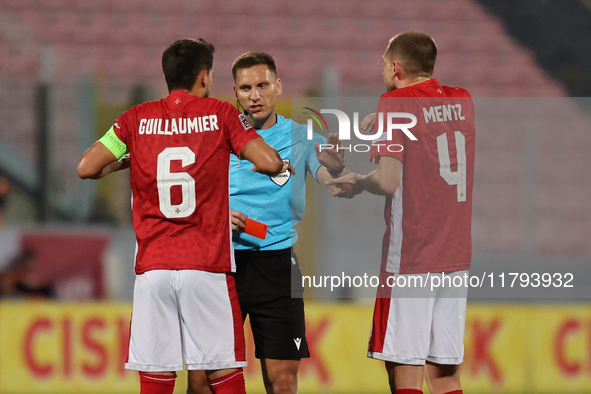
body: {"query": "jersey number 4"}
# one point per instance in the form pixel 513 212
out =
pixel 166 180
pixel 457 177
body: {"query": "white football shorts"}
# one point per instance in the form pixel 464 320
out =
pixel 413 330
pixel 185 316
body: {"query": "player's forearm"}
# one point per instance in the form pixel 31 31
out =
pixel 89 170
pixel 266 159
pixel 271 165
pixel 323 175
pixel 374 183
pixel 110 168
pixel 95 161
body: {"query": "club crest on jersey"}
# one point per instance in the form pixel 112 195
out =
pixel 244 121
pixel 281 179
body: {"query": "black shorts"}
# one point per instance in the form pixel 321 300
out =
pixel 264 283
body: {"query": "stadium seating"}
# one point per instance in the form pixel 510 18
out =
pixel 473 46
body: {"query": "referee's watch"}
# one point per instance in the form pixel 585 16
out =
pixel 337 172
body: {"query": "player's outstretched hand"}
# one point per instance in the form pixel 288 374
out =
pixel 331 158
pixel 346 186
pixel 286 167
pixel 368 122
pixel 238 220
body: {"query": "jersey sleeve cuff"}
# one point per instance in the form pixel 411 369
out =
pixel 314 170
pixel 114 144
pixel 246 142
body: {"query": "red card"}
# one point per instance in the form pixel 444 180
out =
pixel 256 229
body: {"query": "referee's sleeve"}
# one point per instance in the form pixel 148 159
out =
pixel 312 163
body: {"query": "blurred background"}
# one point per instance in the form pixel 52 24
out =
pixel 69 68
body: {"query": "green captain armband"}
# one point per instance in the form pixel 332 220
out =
pixel 114 144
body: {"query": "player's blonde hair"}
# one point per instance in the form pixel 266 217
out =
pixel 416 51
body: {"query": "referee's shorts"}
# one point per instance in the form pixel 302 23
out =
pixel 269 285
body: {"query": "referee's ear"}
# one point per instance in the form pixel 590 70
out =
pixel 279 86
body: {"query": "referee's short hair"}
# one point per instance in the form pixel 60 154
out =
pixel 183 60
pixel 416 51
pixel 251 59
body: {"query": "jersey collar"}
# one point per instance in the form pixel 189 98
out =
pixel 278 124
pixel 179 98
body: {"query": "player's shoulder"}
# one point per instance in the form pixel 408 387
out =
pixel 454 91
pixel 147 108
pixel 402 92
pixel 212 104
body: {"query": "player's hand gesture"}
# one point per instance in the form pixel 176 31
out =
pixel 238 220
pixel 368 122
pixel 334 157
pixel 346 186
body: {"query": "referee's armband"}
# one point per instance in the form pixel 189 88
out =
pixel 114 144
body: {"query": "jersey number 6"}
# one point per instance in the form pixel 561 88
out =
pixel 457 177
pixel 166 180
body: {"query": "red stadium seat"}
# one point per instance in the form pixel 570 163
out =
pixel 53 5
pixel 474 47
pixel 18 4
pixel 94 5
pixel 94 28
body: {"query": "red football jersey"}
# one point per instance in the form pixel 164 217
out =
pixel 180 152
pixel 429 216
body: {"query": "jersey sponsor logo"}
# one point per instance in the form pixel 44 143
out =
pixel 298 342
pixel 198 124
pixel 281 179
pixel 244 121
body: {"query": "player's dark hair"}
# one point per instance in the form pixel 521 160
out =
pixel 251 59
pixel 183 60
pixel 416 51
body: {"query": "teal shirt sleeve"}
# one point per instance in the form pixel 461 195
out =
pixel 312 163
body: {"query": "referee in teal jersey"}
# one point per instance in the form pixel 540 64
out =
pixel 268 277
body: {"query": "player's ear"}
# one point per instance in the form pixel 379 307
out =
pixel 235 92
pixel 203 78
pixel 398 70
pixel 279 86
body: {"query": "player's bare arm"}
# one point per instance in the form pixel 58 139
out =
pixel 383 181
pixel 98 161
pixel 266 160
pixel 368 122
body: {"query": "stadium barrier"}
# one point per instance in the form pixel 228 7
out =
pixel 48 347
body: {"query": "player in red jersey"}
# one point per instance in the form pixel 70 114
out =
pixel 185 307
pixel 427 178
